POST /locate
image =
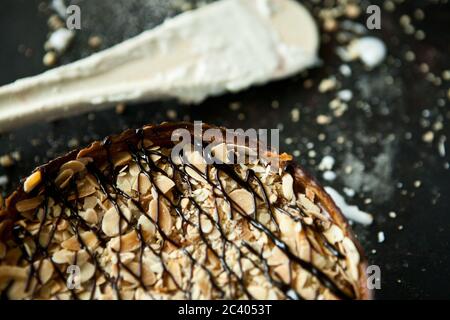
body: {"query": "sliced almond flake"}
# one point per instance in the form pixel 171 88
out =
pixel 87 271
pixel 32 181
pixel 110 222
pixel 84 190
pixel 29 204
pixel 334 234
pixel 147 227
pixel 90 239
pixel 71 244
pixel 283 272
pixel 121 158
pixel 18 289
pixel 63 179
pixel 144 183
pixel 74 165
pixel 82 257
pixel 13 272
pixel 258 292
pixel 89 203
pixel 221 153
pixel 353 257
pixel 164 183
pixel 195 175
pixel 303 247
pixel 243 199
pixel 63 256
pixel 45 271
pixel 174 268
pixel 128 242
pixel 206 224
pixel 90 216
pixel 288 186
pixel 124 183
pixel 286 224
pixel 277 257
pixel 165 220
pixel 197 160
pixel 134 169
pixel 63 225
pixel 310 194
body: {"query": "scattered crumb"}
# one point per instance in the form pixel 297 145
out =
pixel 345 70
pixel 349 192
pixel 275 104
pixel 417 183
pixel 329 175
pixel 234 106
pixel 428 136
pixel 330 25
pixel 345 95
pixel 172 114
pixel 3 182
pixel 327 163
pixel 59 40
pixel 6 161
pixel 50 59
pixel 370 50
pixel 446 75
pixel 55 22
pixel 73 143
pixel 295 115
pixel 352 10
pixel 95 42
pixel 381 237
pixel 323 119
pixel 120 108
pixel 392 215
pixel 327 84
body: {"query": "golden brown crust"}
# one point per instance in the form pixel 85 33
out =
pixel 161 135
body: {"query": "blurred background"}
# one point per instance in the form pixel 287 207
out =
pixel 383 131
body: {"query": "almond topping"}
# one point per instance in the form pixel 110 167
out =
pixel 87 272
pixel 63 256
pixel 63 179
pixel 74 165
pixel 32 181
pixel 121 158
pixel 243 201
pixel 29 204
pixel 128 242
pixel 288 186
pixel 110 222
pixel 164 184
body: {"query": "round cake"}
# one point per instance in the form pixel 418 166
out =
pixel 125 219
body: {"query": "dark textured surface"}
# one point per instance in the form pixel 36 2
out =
pixel 380 135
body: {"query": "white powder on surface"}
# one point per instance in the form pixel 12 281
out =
pixel 351 212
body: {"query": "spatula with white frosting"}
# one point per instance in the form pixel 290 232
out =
pixel 226 46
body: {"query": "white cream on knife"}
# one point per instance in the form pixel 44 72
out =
pixel 226 46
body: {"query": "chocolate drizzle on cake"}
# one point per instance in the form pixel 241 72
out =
pixel 90 236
